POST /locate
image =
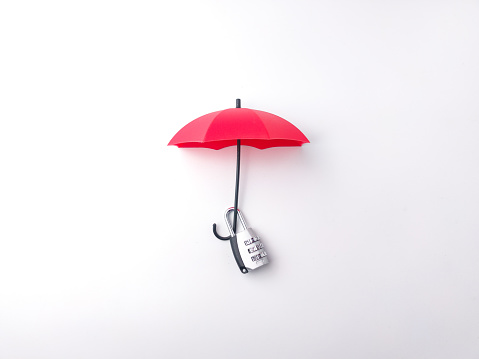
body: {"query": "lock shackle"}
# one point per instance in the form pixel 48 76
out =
pixel 228 224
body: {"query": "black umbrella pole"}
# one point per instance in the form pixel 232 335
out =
pixel 238 155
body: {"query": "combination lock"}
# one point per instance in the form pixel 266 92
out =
pixel 247 248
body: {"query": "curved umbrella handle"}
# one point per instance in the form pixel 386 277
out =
pixel 218 236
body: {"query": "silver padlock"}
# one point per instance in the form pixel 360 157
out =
pixel 247 248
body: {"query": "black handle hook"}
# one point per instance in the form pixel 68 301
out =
pixel 218 236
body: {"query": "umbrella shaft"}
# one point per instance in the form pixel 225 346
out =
pixel 238 155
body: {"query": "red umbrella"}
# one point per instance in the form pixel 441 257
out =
pixel 238 126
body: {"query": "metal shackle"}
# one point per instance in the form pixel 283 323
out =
pixel 228 224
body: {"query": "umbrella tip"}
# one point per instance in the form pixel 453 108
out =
pixel 238 103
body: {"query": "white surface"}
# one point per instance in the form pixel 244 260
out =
pixel 106 249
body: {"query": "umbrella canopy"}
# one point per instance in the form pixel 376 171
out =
pixel 254 128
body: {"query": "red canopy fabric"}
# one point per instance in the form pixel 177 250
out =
pixel 254 128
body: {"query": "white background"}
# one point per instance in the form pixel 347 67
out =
pixel 106 248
